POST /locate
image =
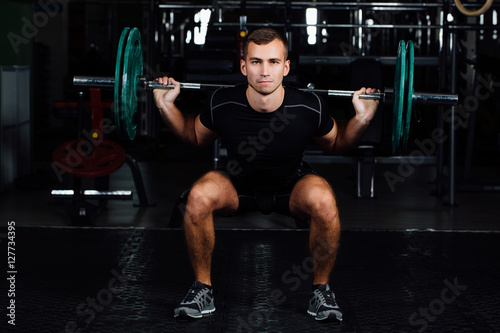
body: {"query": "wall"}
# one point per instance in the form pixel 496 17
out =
pixel 16 39
pixel 16 49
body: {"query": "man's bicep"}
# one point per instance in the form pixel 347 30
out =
pixel 204 135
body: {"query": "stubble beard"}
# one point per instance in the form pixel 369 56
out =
pixel 262 92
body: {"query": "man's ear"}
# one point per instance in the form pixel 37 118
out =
pixel 287 68
pixel 243 67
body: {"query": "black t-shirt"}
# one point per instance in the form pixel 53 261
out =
pixel 265 150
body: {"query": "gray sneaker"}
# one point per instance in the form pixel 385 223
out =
pixel 323 305
pixel 198 301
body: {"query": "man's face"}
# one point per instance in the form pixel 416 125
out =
pixel 265 66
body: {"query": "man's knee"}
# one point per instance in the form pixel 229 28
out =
pixel 313 197
pixel 210 194
pixel 199 197
pixel 320 199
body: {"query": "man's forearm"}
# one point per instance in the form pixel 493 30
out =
pixel 181 124
pixel 349 133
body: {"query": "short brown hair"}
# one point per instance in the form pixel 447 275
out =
pixel 264 36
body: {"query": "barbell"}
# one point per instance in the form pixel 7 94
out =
pixel 129 82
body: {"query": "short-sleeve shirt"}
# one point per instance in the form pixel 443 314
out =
pixel 265 150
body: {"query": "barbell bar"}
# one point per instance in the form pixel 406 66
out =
pixel 129 81
pixel 108 82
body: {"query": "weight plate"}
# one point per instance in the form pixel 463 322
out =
pixel 132 69
pixel 399 93
pixel 118 79
pixel 409 93
pixel 73 157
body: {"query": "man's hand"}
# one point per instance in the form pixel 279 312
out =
pixel 365 108
pixel 346 135
pixel 186 127
pixel 164 98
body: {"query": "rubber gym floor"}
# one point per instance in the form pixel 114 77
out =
pixel 77 279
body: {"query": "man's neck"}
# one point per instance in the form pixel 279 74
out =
pixel 265 103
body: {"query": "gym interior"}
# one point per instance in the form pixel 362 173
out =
pixel 99 246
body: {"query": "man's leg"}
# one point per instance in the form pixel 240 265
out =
pixel 312 197
pixel 212 193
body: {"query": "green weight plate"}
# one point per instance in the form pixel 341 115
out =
pixel 409 93
pixel 132 69
pixel 118 80
pixel 399 93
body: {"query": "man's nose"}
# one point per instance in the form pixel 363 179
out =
pixel 265 70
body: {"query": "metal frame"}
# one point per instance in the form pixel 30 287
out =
pixel 92 194
pixel 341 60
pixel 307 4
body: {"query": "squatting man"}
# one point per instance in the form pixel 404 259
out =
pixel 267 175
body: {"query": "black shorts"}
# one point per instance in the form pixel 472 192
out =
pixel 268 202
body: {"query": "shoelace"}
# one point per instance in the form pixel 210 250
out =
pixel 194 294
pixel 191 295
pixel 326 297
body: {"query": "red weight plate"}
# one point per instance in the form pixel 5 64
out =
pixel 85 159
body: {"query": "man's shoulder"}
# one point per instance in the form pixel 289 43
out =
pixel 226 95
pixel 297 97
pixel 235 91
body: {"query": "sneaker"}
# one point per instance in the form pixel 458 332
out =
pixel 323 305
pixel 198 301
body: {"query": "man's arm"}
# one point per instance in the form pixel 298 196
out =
pixel 186 127
pixel 346 134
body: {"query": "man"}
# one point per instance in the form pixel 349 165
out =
pixel 265 127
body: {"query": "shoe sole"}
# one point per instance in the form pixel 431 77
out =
pixel 331 316
pixel 184 314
